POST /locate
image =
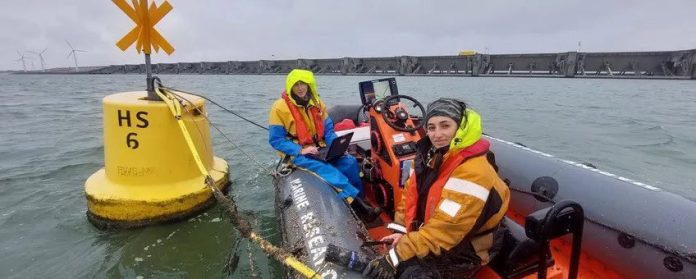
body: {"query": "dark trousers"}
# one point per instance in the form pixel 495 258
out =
pixel 437 269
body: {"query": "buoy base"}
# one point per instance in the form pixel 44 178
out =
pixel 116 206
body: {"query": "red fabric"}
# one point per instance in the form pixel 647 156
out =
pixel 435 192
pixel 303 135
pixel 345 124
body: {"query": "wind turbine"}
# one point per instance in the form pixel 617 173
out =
pixel 40 55
pixel 73 53
pixel 21 58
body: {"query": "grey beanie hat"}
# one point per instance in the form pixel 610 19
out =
pixel 451 108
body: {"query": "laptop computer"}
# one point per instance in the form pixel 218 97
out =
pixel 337 148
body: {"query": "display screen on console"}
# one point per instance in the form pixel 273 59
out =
pixel 377 89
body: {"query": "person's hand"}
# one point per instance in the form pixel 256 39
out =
pixel 394 238
pixel 309 150
pixel 380 268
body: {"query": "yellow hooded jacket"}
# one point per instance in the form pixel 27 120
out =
pixel 282 127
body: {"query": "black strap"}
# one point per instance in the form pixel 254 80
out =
pixel 491 160
pixel 491 230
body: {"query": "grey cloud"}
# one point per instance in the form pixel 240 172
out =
pixel 218 30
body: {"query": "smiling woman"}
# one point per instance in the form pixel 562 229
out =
pixel 442 120
pixel 453 201
pixel 440 130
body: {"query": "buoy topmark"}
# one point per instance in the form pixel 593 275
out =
pixel 149 174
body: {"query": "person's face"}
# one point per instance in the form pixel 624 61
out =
pixel 441 130
pixel 300 89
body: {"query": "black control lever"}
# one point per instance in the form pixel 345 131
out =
pixel 546 224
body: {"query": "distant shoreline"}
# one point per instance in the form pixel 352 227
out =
pixel 673 65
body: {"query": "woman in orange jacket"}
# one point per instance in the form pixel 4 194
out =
pixel 453 202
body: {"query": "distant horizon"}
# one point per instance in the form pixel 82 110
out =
pixel 220 30
pixel 155 55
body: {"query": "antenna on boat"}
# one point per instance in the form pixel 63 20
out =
pixel 73 52
pixel 144 34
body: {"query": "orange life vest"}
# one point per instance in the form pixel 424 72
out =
pixel 435 192
pixel 303 136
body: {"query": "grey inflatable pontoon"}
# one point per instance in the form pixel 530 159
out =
pixel 312 217
pixel 631 227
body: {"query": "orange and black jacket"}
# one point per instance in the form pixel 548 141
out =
pixel 458 220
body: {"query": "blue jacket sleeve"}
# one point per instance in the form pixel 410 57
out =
pixel 329 134
pixel 277 138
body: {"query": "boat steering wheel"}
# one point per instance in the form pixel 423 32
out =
pixel 397 117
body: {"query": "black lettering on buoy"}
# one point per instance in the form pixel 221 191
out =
pixel 141 116
pixel 126 117
pixel 132 142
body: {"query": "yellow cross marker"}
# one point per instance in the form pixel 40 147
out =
pixel 144 33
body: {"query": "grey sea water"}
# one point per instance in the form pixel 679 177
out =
pixel 51 141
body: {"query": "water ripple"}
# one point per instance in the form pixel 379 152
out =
pixel 52 143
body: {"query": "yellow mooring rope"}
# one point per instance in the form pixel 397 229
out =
pixel 242 225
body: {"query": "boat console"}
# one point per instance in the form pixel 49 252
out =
pixel 395 127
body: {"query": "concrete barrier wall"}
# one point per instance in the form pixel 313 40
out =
pixel 655 64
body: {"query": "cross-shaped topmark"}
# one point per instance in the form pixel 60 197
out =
pixel 144 33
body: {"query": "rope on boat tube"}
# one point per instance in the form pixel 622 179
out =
pixel 229 205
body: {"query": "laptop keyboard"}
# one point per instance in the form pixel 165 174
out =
pixel 322 152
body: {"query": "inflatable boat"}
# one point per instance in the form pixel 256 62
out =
pixel 565 220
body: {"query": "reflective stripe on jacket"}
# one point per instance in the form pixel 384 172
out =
pixel 461 218
pixel 411 218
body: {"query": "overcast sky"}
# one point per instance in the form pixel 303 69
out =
pixel 217 30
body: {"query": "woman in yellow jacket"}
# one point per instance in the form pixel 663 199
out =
pixel 454 201
pixel 299 125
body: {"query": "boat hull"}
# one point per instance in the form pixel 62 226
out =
pixel 636 229
pixel 312 216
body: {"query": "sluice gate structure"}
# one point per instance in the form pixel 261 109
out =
pixel 653 64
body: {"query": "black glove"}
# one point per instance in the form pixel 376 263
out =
pixel 380 268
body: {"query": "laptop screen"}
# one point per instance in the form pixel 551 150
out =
pixel 340 144
pixel 338 147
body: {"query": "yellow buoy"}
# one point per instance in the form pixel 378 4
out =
pixel 149 174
